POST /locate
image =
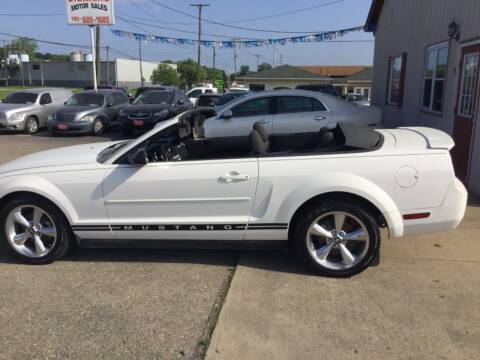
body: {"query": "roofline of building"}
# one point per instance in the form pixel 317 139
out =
pixel 373 15
pixel 279 78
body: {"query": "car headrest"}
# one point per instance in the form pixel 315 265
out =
pixel 257 144
pixel 184 129
pixel 261 130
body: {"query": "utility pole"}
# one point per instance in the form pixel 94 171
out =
pixel 235 62
pixel 5 50
pixel 281 59
pixel 274 55
pixel 94 69
pixel 108 66
pixel 199 6
pixel 140 60
pixel 258 57
pixel 214 70
pixel 97 55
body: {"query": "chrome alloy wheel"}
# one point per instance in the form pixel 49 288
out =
pixel 337 240
pixel 32 125
pixel 31 231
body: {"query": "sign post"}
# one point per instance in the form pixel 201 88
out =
pixel 92 13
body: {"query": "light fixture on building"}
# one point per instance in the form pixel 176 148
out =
pixel 453 31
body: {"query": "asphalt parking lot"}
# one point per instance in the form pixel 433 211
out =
pixel 421 301
pixel 96 304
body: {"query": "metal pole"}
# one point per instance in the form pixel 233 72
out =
pixel 140 60
pixel 92 37
pixel 274 55
pixel 199 6
pixel 41 73
pixel 258 57
pixel 97 54
pixel 5 49
pixel 214 70
pixel 235 63
pixel 108 66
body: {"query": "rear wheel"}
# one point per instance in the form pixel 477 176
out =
pixel 31 125
pixel 34 230
pixel 336 238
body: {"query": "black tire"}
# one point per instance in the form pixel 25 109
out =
pixel 64 234
pixel 98 127
pixel 31 125
pixel 368 249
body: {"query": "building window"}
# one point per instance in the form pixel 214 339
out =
pixel 434 78
pixel 35 67
pixel 470 68
pixel 396 79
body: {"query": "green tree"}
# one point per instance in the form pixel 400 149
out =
pixel 244 70
pixel 165 75
pixel 188 72
pixel 264 67
pixel 24 45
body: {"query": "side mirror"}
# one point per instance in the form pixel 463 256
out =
pixel 139 157
pixel 109 104
pixel 65 103
pixel 180 102
pixel 227 114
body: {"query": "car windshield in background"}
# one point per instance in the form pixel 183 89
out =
pixel 207 100
pixel 85 100
pixel 21 98
pixel 154 97
pixel 356 97
pixel 229 97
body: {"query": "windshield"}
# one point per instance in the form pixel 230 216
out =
pixel 106 153
pixel 86 100
pixel 154 97
pixel 356 97
pixel 229 97
pixel 21 98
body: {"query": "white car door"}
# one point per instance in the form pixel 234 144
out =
pixel 244 115
pixel 184 200
pixel 300 114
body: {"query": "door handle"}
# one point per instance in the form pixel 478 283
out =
pixel 234 177
pixel 264 121
pixel 319 118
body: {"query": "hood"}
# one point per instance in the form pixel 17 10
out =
pixel 70 155
pixel 69 113
pixel 146 108
pixel 9 107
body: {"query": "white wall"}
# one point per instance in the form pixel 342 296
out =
pixel 128 72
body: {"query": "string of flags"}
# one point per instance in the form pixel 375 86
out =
pixel 323 36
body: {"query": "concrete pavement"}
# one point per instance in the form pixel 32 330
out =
pixel 421 302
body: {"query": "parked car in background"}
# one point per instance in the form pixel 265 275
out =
pixel 28 110
pixel 195 93
pixel 328 89
pixel 285 112
pixel 357 99
pixel 209 100
pixel 140 90
pixel 327 201
pixel 88 112
pixel 225 99
pixel 152 107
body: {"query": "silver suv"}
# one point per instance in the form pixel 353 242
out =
pixel 28 110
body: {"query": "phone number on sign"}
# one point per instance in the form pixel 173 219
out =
pixel 90 20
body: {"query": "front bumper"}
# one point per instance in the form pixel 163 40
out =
pixel 443 218
pixel 74 127
pixel 138 124
pixel 8 125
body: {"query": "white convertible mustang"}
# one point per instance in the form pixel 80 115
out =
pixel 326 197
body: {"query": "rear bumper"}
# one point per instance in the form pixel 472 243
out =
pixel 445 217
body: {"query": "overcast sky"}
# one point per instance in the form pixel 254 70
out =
pixel 336 14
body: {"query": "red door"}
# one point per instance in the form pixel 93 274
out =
pixel 465 110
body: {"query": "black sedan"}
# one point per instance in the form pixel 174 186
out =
pixel 152 107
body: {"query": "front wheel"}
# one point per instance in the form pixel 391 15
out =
pixel 34 230
pixel 337 239
pixel 31 125
pixel 98 127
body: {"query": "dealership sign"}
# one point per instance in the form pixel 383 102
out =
pixel 90 12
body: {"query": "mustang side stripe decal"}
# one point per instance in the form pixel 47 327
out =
pixel 180 227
